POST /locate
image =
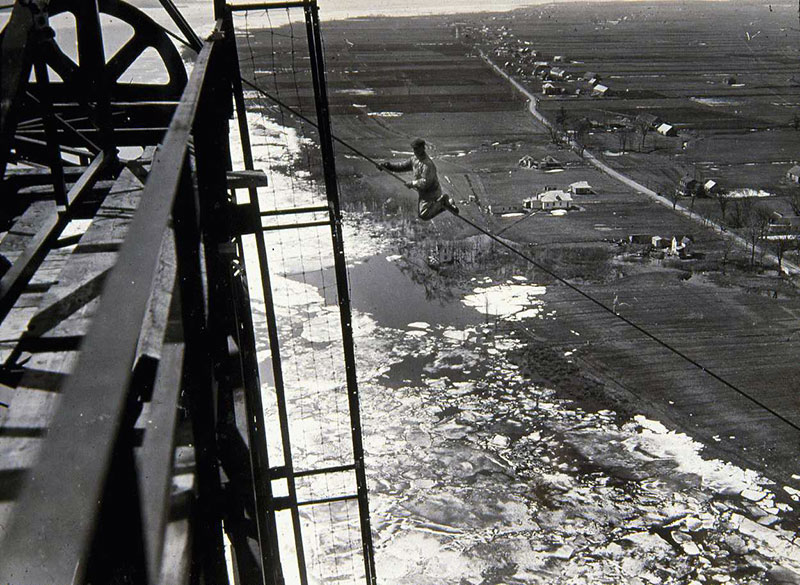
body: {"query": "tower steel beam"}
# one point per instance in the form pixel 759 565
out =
pixel 340 266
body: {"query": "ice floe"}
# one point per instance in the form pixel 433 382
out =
pixel 509 301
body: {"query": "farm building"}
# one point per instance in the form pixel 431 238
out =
pixel 549 200
pixel 794 174
pixel 659 243
pixel 640 239
pixel 711 188
pixel 558 73
pixel 559 59
pixel 690 187
pixel 501 209
pixel 581 188
pixel 600 90
pixel 680 246
pixel 549 162
pixel 541 69
pixel 667 129
pixel 783 224
pixel 550 89
pixel 527 161
pixel 589 75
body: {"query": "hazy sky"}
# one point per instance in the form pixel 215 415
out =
pixel 338 9
pixel 334 9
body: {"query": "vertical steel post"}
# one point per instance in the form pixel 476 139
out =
pixel 340 268
pixel 198 380
pixel 269 306
pixel 46 103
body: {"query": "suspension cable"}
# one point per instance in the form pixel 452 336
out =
pixel 549 272
pixel 627 321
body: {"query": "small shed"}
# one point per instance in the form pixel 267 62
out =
pixel 666 129
pixel 581 188
pixel 600 90
pixel 549 162
pixel 784 224
pixel 551 89
pixel 501 209
pixel 659 243
pixel 559 59
pixel 640 239
pixel 711 188
pixel 793 174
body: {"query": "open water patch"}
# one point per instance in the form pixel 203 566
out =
pixel 381 287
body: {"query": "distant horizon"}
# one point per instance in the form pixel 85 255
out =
pixel 343 9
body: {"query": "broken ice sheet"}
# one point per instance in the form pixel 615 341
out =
pixel 510 301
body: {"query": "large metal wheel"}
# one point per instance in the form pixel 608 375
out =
pixel 146 34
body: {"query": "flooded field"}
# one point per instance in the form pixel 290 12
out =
pixel 514 434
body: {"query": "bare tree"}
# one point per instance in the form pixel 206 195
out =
pixel 728 245
pixel 555 134
pixel 756 227
pixel 561 118
pixel 780 245
pixel 582 128
pixel 794 202
pixel 674 195
pixel 623 137
pixel 722 199
pixel 642 128
pixel 740 212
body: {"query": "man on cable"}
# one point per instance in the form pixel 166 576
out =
pixel 426 181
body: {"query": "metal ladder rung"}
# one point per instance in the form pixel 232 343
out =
pixel 284 503
pixel 281 472
pixel 293 210
pixel 290 226
pixel 337 469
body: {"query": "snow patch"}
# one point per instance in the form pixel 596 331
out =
pixel 742 193
pixel 385 114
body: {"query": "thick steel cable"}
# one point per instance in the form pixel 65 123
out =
pixel 560 279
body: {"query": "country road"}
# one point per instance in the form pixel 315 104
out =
pixel 789 268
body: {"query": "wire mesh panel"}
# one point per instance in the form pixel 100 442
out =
pixel 310 394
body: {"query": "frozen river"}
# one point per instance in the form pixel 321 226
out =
pixel 477 474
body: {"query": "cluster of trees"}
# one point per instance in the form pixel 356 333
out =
pixel 754 221
pixel 751 219
pixel 579 128
pixel 563 126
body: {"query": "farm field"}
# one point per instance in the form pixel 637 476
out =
pixel 723 75
pixel 393 79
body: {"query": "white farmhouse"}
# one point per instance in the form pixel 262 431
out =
pixel 549 200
